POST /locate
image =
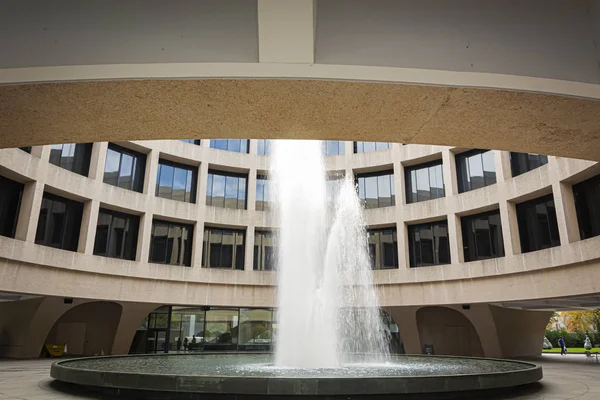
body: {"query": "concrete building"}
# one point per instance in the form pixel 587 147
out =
pixel 473 249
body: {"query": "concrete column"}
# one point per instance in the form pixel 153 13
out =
pixel 286 31
pixel 502 164
pixel 132 316
pixel 98 160
pixel 566 216
pixel 348 148
pixel 399 183
pixel 89 222
pixel 455 239
pixel 253 146
pixel 249 250
pixel 406 319
pixel 144 237
pixel 510 228
pixel 483 322
pixel 197 248
pixel 205 143
pixel 449 169
pixel 29 213
pixel 251 192
pixel 403 252
pixel 41 152
pixel 201 187
pixel 151 172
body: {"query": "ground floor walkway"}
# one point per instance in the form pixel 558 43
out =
pixel 565 377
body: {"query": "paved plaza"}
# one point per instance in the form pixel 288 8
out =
pixel 568 377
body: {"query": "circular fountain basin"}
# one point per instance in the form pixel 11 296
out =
pixel 255 374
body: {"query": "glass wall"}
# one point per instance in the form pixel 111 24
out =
pixel 475 169
pixel 72 156
pixel 264 254
pixel 171 243
pixel 59 223
pixel 235 145
pixel 366 147
pixel 376 189
pixel 124 168
pixel 221 328
pixel 10 204
pixel 264 196
pixel 176 181
pixel 264 147
pixel 383 248
pixel 191 141
pixel 482 236
pixel 116 234
pixel 523 162
pixel 428 244
pixel 333 147
pixel 256 330
pixel 587 205
pixel 538 228
pixel 226 189
pixel 424 182
pixel 223 248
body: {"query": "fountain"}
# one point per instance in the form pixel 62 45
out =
pixel 330 339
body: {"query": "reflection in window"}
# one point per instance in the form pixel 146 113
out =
pixel 235 145
pixel 523 162
pixel 221 328
pixel 475 169
pixel 10 204
pixel 223 248
pixel 424 182
pixel 383 248
pixel 428 244
pixel 226 190
pixel 124 168
pixel 74 157
pixel 587 205
pixel 482 236
pixel 538 228
pixel 264 147
pixel 367 147
pixel 59 223
pixel 255 329
pixel 176 181
pixel 187 323
pixel 191 141
pixel 171 243
pixel 116 235
pixel 333 147
pixel 264 254
pixel 264 194
pixel 376 189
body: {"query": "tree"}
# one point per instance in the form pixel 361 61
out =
pixel 583 321
pixel 552 322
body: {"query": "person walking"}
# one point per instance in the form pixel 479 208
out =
pixel 563 347
pixel 178 344
pixel 185 344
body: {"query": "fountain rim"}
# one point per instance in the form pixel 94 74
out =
pixel 288 385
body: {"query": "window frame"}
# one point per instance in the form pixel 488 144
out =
pixel 408 172
pixel 82 155
pixel 73 209
pixel 373 257
pixel 185 167
pixel 133 227
pixel 259 261
pixel 207 255
pixel 522 219
pixel 10 188
pixel 518 160
pixel 230 144
pixel 377 174
pixel 435 251
pixel 587 209
pixel 187 252
pixel 463 170
pixel 467 227
pixel 138 167
pixel 210 187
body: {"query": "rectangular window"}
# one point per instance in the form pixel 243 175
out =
pixel 538 228
pixel 191 141
pixel 523 162
pixel 116 235
pixel 226 190
pixel 59 223
pixel 26 149
pixel 171 243
pixel 176 181
pixel 124 168
pixel 475 169
pixel 72 156
pixel 424 182
pixel 333 147
pixel 264 147
pixel 376 189
pixel 367 147
pixel 482 236
pixel 264 194
pixel 264 251
pixel 334 182
pixel 11 193
pixel 235 145
pixel 428 244
pixel 587 205
pixel 383 248
pixel 223 248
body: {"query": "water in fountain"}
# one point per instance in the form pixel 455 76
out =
pixel 328 308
